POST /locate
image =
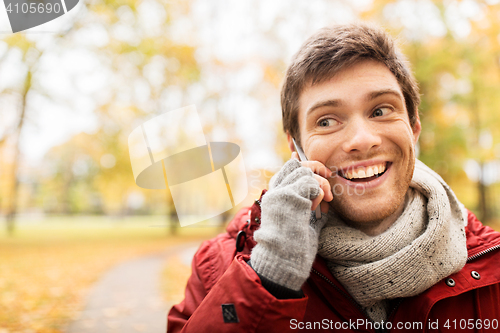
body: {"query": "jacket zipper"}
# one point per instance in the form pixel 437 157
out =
pixel 349 297
pixel 393 311
pixel 477 255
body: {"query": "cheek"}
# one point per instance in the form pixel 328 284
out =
pixel 403 137
pixel 320 149
pixel 406 131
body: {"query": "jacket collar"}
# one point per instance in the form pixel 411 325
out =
pixel 480 239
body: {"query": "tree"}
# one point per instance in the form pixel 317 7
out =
pixel 30 56
pixel 142 62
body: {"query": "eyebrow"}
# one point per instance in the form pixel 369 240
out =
pixel 371 96
pixel 330 102
pixel 375 94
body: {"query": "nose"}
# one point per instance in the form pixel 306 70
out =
pixel 361 136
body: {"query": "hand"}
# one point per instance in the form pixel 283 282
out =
pixel 321 172
pixel 287 240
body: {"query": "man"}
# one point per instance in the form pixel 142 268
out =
pixel 393 250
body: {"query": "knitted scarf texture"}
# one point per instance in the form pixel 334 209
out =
pixel 423 246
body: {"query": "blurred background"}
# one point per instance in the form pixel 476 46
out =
pixel 69 206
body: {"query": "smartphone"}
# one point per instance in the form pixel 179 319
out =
pixel 303 157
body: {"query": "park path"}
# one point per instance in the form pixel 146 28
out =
pixel 127 299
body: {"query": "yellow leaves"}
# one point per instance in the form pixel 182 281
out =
pixel 46 271
pixel 273 75
pixel 173 280
pixel 19 40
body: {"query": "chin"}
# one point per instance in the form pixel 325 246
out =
pixel 369 216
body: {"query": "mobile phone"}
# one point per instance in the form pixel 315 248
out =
pixel 303 157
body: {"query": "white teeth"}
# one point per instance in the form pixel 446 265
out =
pixel 367 172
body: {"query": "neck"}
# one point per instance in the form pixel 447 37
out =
pixel 375 228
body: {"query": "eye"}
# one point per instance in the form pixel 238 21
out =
pixel 379 112
pixel 326 122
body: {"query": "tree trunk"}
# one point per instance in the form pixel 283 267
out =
pixel 173 221
pixel 483 197
pixel 13 195
pixel 12 208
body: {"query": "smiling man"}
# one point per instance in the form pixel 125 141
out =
pixel 356 124
pixel 393 249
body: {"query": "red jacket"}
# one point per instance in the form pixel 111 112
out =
pixel 222 282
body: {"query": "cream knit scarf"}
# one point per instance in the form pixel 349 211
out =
pixel 424 245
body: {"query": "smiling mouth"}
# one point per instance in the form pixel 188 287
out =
pixel 365 174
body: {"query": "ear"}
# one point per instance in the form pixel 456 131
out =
pixel 417 128
pixel 290 142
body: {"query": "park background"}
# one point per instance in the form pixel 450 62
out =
pixel 69 206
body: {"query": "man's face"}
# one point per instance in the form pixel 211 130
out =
pixel 357 125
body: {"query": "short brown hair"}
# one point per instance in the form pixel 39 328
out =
pixel 334 48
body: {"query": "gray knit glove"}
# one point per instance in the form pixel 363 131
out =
pixel 287 240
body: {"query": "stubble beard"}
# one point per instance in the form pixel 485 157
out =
pixel 365 218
